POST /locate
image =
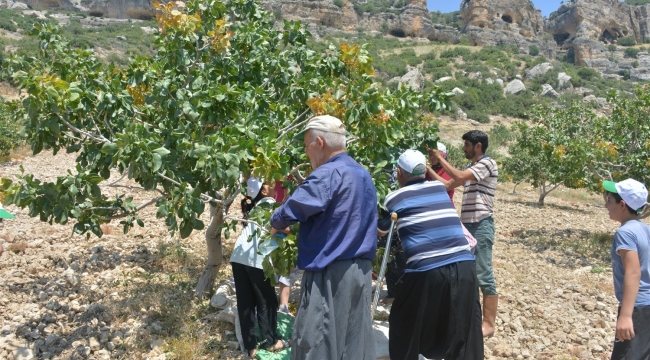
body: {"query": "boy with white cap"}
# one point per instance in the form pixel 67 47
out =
pixel 631 268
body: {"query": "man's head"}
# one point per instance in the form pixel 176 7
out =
pixel 411 166
pixel 476 143
pixel 624 199
pixel 324 137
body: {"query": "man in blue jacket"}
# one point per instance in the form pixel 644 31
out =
pixel 337 210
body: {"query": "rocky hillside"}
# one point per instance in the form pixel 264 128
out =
pixel 580 30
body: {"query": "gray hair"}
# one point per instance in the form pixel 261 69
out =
pixel 410 177
pixel 333 140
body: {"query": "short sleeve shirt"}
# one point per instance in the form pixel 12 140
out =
pixel 634 235
pixel 478 195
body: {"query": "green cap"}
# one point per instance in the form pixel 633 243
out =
pixel 4 214
pixel 610 186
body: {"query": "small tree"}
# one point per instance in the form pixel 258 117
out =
pixel 578 149
pixel 223 96
pixel 543 153
pixel 9 127
pixel 533 50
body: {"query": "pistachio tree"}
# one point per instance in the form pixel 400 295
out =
pixel 221 99
pixel 577 148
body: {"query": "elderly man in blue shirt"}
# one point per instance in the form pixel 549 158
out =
pixel 337 210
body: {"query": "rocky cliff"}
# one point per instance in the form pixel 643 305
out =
pixel 586 27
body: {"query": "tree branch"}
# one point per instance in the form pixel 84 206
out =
pixel 144 205
pixel 296 171
pixel 293 124
pixel 83 132
pixel 247 221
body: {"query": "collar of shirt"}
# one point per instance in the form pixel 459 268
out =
pixel 418 181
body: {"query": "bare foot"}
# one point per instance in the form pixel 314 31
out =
pixel 488 331
pixel 386 301
pixel 252 353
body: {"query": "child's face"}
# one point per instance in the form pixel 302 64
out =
pixel 614 209
pixel 270 191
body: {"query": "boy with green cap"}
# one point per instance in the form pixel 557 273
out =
pixel 630 253
pixel 4 214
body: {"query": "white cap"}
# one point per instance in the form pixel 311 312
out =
pixel 325 123
pixel 410 159
pixel 253 187
pixel 442 147
pixel 631 191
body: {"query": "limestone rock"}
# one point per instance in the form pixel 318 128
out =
pixel 23 353
pixel 413 79
pixel 500 82
pixel 539 69
pixel 514 87
pixel 457 91
pixel 443 79
pixel 461 115
pixel 547 90
pixel 18 6
pixel 563 80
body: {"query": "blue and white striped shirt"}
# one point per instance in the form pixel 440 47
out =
pixel 428 226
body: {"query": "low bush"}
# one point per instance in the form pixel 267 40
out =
pixel 627 41
pixel 533 50
pixel 631 52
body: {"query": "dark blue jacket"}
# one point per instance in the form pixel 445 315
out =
pixel 337 210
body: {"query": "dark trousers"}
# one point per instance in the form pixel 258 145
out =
pixel 437 313
pixel 639 346
pixel 255 294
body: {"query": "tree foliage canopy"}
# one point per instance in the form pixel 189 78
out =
pixel 223 96
pixel 579 149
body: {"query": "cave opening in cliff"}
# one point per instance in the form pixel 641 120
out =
pixel 397 33
pixel 507 18
pixel 560 38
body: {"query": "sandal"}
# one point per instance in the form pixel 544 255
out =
pixel 284 344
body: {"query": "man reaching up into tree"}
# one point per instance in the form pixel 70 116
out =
pixel 631 268
pixel 480 182
pixel 337 210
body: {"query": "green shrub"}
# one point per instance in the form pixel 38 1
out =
pixel 339 3
pixel 631 52
pixel 533 50
pixel 455 52
pixel 625 74
pixel 464 41
pixel 627 41
pixel 611 47
pixel 500 135
pixel 8 25
pixel 586 73
pixel 429 56
pixel 479 116
pixel 635 64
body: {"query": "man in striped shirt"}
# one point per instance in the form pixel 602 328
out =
pixel 480 182
pixel 436 311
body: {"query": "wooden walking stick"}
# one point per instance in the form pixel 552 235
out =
pixel 380 279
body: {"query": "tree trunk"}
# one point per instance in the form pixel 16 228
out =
pixel 542 194
pixel 215 253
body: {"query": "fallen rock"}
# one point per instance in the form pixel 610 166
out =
pixel 457 91
pixel 563 80
pixel 514 87
pixel 413 79
pixel 547 90
pixel 443 79
pixel 539 69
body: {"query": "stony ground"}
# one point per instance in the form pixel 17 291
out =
pixel 131 296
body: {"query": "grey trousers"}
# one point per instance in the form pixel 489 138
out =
pixel 333 321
